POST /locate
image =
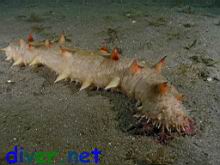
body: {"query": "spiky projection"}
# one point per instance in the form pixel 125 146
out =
pixel 161 103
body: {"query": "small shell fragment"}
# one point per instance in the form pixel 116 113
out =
pixel 209 79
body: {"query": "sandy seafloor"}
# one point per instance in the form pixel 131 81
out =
pixel 39 115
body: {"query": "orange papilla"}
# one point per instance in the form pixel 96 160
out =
pixel 115 54
pixel 163 88
pixel 104 49
pixel 162 61
pixel 30 38
pixel 135 68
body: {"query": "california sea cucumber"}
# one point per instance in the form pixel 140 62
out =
pixel 161 107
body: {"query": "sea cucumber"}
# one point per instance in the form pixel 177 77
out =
pixel 160 104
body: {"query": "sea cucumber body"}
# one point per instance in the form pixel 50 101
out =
pixel 164 111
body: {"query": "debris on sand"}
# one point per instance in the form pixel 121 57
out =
pixel 193 72
pixel 188 25
pixel 208 70
pixel 40 29
pixel 209 79
pixel 112 35
pixel 133 21
pixel 207 61
pixel 133 14
pixel 34 18
pixel 173 35
pixel 186 9
pixel 189 46
pixel 161 156
pixel 161 21
pixel 10 82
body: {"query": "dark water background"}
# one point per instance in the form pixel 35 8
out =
pixel 198 3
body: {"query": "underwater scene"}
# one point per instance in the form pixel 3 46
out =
pixel 110 82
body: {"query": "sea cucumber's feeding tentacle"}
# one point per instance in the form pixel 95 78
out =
pixel 161 103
